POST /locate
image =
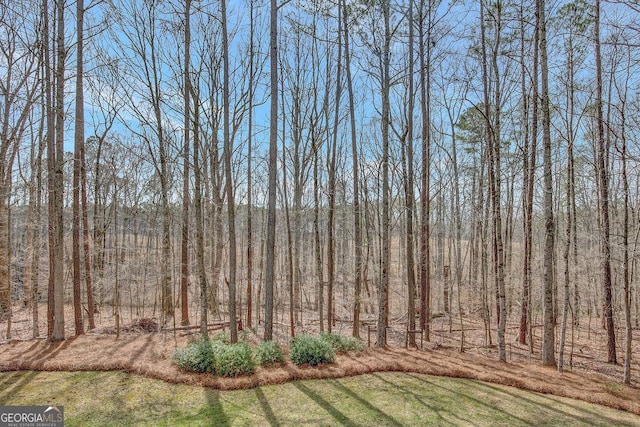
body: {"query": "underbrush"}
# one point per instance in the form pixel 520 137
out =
pixel 311 350
pixel 268 353
pixel 215 357
pixel 343 343
pixel 232 360
pixel 221 337
pixel 197 356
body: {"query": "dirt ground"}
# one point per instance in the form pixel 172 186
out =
pixel 138 351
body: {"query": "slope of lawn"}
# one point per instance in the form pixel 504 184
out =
pixel 116 398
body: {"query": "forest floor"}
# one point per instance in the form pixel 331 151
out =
pixel 137 351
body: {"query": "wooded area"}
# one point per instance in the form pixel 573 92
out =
pixel 314 162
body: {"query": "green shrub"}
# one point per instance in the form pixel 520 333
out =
pixel 343 343
pixel 244 334
pixel 232 360
pixel 221 337
pixel 216 357
pixel 196 357
pixel 311 350
pixel 268 352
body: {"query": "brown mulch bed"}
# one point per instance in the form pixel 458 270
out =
pixel 149 354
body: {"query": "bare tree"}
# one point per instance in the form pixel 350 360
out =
pixel 186 200
pixel 625 245
pixel 548 339
pixel 492 130
pixel 19 87
pixel 385 85
pixel 573 17
pixel 34 218
pixel 251 89
pixel 231 217
pixel 85 238
pixel 528 172
pixel 424 52
pixel 199 222
pixel 409 184
pixel 55 156
pixel 78 148
pixel 332 153
pixel 273 165
pixel 357 230
pixel 603 184
pixel 622 87
pixel 146 98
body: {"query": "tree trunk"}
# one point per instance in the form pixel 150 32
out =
pixel 184 243
pixel 285 198
pixel 409 195
pixel 249 320
pixel 626 274
pixel 217 231
pixel 273 170
pixel 528 232
pixel 85 238
pixel 527 203
pixel 603 184
pixel 548 339
pixel 56 188
pixel 316 225
pixel 19 88
pixel 457 220
pixel 499 257
pixel 332 154
pixel 202 275
pixel 231 216
pixel 357 230
pixel 77 167
pixel 565 257
pixel 425 201
pixel 35 269
pixel 492 132
pixel 383 293
pixel 625 262
pixel 5 285
pixel 116 258
pixel 571 227
pixel 98 214
pixel 32 237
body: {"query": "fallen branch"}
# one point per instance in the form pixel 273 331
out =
pixel 210 327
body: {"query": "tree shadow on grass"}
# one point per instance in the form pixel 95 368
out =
pixel 436 409
pixel 380 415
pixel 6 379
pixel 548 406
pixel 13 382
pixel 513 397
pixel 214 410
pixel 495 409
pixel 324 404
pixel 264 403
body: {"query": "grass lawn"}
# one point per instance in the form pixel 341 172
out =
pixel 394 399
